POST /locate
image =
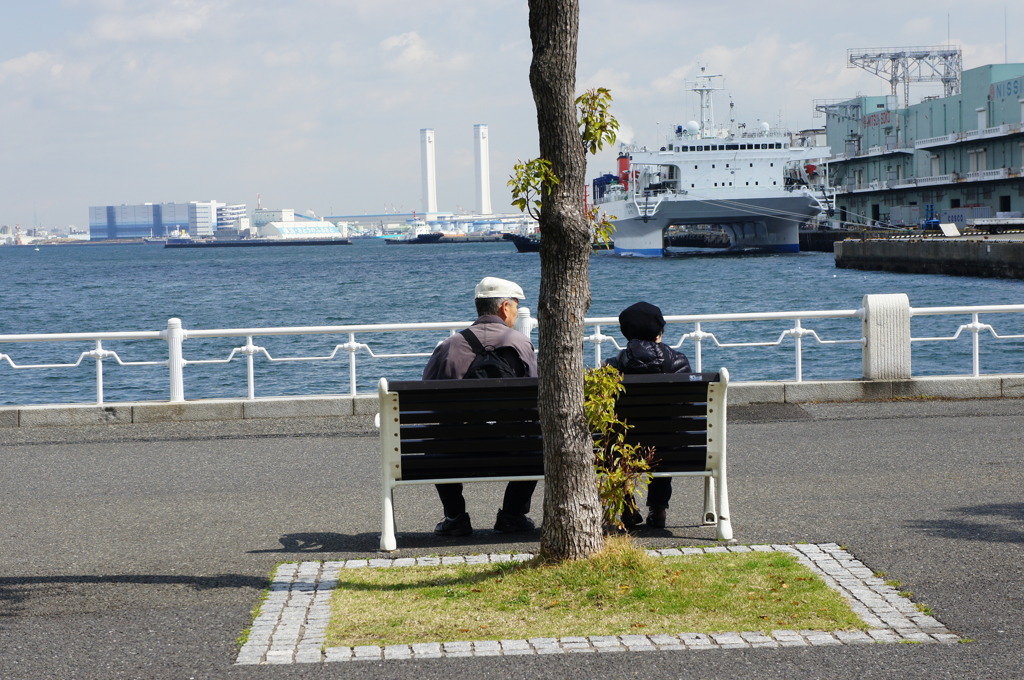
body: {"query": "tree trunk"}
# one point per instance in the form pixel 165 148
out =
pixel 572 510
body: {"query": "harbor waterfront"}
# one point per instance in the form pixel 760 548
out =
pixel 138 288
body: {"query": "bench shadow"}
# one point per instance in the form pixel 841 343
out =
pixel 485 540
pixel 1005 523
pixel 330 542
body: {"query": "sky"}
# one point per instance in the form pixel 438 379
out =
pixel 317 105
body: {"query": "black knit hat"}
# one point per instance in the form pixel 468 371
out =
pixel 641 321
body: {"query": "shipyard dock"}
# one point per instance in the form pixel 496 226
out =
pixel 999 256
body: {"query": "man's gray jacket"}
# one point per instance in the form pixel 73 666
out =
pixel 453 357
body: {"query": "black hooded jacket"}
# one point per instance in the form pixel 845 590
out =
pixel 646 356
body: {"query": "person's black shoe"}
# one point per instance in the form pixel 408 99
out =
pixel 632 519
pixel 511 523
pixel 657 517
pixel 459 526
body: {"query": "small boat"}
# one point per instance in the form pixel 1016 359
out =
pixel 429 237
pixel 531 244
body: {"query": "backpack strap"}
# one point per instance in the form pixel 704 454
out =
pixel 474 342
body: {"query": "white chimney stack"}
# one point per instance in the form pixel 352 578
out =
pixel 483 170
pixel 427 169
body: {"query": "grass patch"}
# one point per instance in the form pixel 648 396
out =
pixel 621 591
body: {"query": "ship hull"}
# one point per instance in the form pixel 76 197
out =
pixel 765 223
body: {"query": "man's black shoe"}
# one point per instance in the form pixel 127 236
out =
pixel 459 526
pixel 511 523
pixel 657 518
pixel 632 519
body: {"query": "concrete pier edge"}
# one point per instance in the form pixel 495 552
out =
pixel 740 393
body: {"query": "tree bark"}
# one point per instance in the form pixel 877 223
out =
pixel 572 510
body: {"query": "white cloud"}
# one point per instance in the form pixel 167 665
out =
pixel 407 50
pixel 31 65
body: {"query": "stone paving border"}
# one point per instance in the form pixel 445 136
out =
pixel 292 623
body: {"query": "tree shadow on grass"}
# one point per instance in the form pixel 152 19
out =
pixel 994 523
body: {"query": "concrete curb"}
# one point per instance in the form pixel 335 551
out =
pixel 740 393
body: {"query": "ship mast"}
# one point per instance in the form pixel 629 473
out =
pixel 703 87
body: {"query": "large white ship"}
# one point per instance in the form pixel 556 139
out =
pixel 757 185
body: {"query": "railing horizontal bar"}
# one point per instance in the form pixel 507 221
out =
pixel 82 337
pixel 743 316
pixel 327 330
pixel 981 309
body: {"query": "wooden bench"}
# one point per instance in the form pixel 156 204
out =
pixel 436 431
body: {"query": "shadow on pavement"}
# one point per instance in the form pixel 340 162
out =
pixel 1006 523
pixel 15 590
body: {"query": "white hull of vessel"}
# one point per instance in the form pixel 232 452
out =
pixel 768 223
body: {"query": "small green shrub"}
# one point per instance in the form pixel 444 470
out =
pixel 622 469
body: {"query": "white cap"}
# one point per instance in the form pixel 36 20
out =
pixel 491 287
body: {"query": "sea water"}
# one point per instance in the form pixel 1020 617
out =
pixel 99 288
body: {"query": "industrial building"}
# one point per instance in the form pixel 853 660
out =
pixel 197 218
pixel 949 158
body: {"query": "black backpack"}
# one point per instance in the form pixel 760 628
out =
pixel 489 362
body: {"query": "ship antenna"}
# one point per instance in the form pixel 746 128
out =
pixel 703 87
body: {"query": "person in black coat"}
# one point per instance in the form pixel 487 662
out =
pixel 642 324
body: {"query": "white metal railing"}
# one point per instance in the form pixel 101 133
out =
pixel 800 329
pixel 699 337
pixel 975 327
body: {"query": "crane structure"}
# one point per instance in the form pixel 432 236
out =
pixel 908 65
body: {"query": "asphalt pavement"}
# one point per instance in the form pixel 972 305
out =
pixel 140 551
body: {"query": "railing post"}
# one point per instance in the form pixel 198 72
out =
pixel 597 347
pixel 175 359
pixel 799 346
pixel 698 337
pixel 886 354
pixel 250 368
pixel 352 365
pixel 975 345
pixel 99 371
pixel 525 323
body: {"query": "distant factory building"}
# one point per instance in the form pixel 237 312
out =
pixel 949 159
pixel 285 223
pixel 197 218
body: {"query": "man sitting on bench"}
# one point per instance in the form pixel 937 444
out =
pixel 491 347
